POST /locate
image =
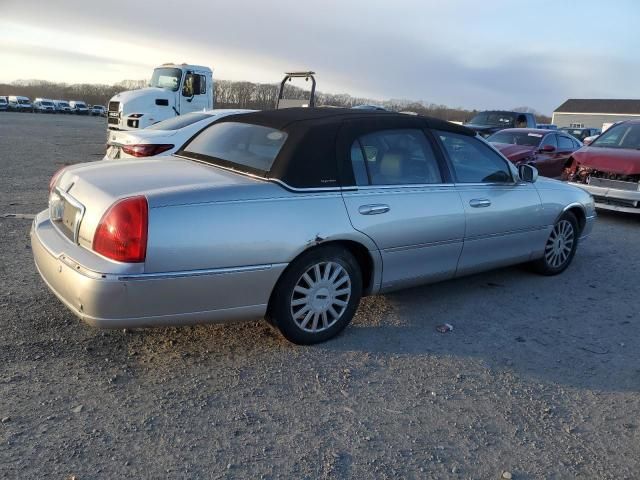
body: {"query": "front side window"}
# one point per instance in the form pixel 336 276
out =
pixel 241 146
pixel 194 84
pixel 394 157
pixel 167 78
pixel 473 161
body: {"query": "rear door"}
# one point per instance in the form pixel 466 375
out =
pixel 504 221
pixel 406 205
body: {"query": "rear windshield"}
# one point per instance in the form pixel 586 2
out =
pixel 241 146
pixel 516 138
pixel 181 121
pixel 623 135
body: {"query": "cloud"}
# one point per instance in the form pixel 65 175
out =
pixel 458 53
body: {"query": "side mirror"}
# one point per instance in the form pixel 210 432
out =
pixel 548 148
pixel 527 173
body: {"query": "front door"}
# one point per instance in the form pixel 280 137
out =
pixel 403 204
pixel 194 93
pixel 504 221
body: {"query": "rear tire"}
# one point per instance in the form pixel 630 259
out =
pixel 317 296
pixel 560 247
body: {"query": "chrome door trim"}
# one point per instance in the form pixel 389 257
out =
pixel 422 245
pixel 510 232
pixel 199 273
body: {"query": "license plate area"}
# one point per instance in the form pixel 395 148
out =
pixel 113 152
pixel 66 214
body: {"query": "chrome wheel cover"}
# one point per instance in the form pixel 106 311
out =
pixel 320 297
pixel 559 244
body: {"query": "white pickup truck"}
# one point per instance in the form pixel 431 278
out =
pixel 174 90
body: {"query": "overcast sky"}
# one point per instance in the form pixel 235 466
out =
pixel 473 54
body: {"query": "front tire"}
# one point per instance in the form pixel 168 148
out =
pixel 560 247
pixel 317 296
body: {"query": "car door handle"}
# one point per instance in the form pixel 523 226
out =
pixel 480 202
pixel 374 209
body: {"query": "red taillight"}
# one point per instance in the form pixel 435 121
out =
pixel 122 232
pixel 146 150
pixel 54 179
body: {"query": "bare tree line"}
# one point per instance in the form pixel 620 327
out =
pixel 233 94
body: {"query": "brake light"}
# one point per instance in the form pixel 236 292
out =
pixel 122 232
pixel 146 150
pixel 54 179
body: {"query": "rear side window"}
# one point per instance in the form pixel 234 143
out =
pixel 565 143
pixel 550 140
pixel 394 157
pixel 473 161
pixel 243 146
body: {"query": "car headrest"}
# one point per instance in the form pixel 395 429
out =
pixel 391 164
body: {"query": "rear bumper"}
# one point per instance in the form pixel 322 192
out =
pixel 156 299
pixel 612 198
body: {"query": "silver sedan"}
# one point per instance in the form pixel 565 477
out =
pixel 293 215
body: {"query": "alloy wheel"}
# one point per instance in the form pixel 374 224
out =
pixel 320 297
pixel 560 243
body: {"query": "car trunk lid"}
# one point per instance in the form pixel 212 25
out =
pixel 88 190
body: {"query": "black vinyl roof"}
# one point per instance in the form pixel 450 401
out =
pixel 600 105
pixel 286 118
pixel 316 152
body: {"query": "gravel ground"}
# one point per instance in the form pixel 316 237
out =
pixel 540 377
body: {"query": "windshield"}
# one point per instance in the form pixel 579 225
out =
pixel 176 123
pixel 498 119
pixel 23 101
pixel 2 100
pixel 167 78
pixel 45 103
pixel 81 105
pixel 63 104
pixel 516 138
pixel 240 146
pixel 624 135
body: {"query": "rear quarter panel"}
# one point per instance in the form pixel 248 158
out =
pixel 256 231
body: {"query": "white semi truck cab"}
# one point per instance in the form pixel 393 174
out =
pixel 173 90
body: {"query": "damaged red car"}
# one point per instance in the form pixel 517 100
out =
pixel 548 151
pixel 609 168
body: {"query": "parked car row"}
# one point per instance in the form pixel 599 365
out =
pixel 18 103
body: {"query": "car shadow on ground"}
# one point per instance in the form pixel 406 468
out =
pixel 509 319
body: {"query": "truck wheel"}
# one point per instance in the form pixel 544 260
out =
pixel 317 296
pixel 560 247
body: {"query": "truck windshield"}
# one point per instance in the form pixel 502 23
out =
pixel 497 119
pixel 516 138
pixel 239 146
pixel 167 78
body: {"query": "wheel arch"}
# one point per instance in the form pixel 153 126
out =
pixel 370 266
pixel 578 211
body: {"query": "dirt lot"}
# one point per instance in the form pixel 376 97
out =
pixel 540 377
